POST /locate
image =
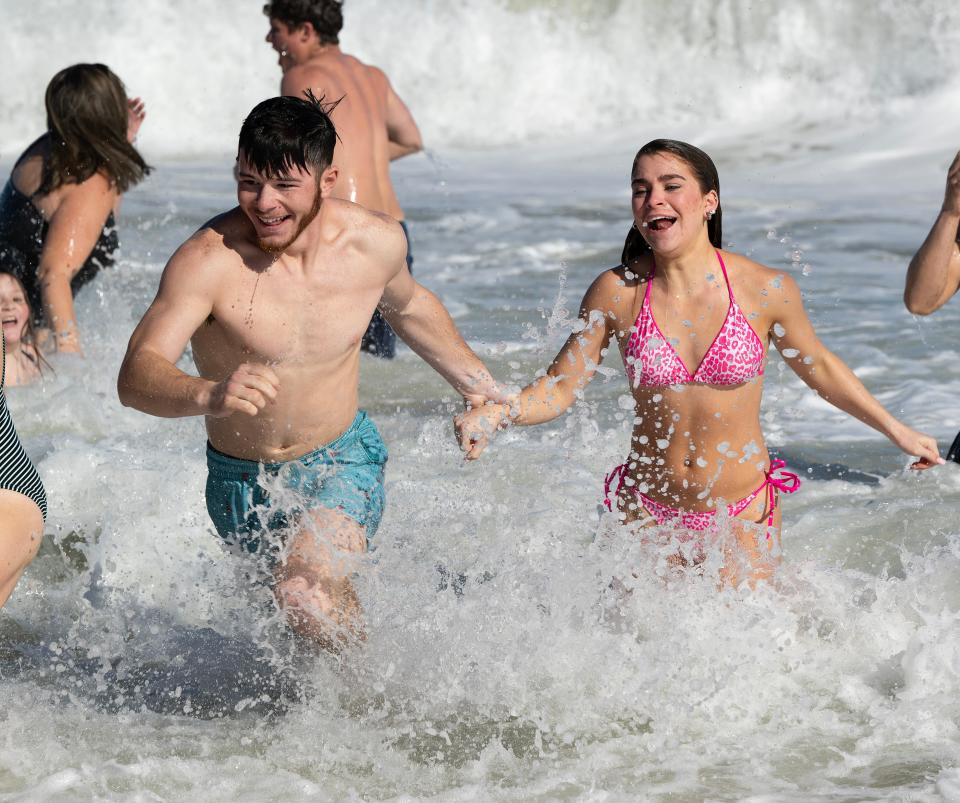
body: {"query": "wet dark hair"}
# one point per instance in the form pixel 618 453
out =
pixel 87 130
pixel 284 133
pixel 706 174
pixel 326 16
pixel 29 335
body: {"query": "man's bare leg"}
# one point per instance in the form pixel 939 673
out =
pixel 313 586
pixel 21 530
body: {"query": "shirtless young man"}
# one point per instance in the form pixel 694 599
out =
pixel 275 296
pixel 374 124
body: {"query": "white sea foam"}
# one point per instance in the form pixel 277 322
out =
pixel 502 72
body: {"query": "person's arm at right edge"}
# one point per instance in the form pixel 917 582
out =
pixel 149 378
pixel 402 131
pixel 934 273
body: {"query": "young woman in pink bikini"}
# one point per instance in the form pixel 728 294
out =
pixel 693 324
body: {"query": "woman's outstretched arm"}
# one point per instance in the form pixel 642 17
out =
pixel 73 233
pixel 571 370
pixel 829 376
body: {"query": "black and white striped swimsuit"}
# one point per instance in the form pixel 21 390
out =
pixel 16 471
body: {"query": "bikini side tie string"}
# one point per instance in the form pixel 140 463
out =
pixel 618 476
pixel 785 481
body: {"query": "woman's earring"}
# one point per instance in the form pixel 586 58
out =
pixel 709 214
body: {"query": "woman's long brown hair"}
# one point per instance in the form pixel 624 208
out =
pixel 87 129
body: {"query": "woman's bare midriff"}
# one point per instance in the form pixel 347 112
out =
pixel 681 453
pixel 314 406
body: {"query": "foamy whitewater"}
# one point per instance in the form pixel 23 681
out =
pixel 140 661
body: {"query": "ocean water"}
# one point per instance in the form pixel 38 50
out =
pixel 140 661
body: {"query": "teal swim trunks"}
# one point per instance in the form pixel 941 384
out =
pixel 247 500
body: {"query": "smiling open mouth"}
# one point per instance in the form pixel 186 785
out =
pixel 661 223
pixel 272 222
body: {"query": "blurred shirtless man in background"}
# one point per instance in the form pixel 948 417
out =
pixel 374 125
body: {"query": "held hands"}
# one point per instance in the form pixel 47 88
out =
pixel 136 113
pixel 475 427
pixel 247 390
pixel 916 443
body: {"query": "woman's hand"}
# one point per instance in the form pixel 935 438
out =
pixel 918 444
pixel 476 426
pixel 68 344
pixel 136 113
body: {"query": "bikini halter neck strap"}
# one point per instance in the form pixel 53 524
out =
pixel 723 268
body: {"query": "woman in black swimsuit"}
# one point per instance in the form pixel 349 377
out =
pixel 23 503
pixel 57 210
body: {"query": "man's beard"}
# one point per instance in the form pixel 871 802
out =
pixel 306 221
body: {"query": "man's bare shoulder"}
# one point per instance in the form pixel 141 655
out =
pixel 323 74
pixel 218 242
pixel 366 230
pixel 349 62
pixel 330 73
pixel 369 70
pixel 372 77
pixel 301 77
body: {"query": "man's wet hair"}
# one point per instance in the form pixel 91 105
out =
pixel 326 16
pixel 285 133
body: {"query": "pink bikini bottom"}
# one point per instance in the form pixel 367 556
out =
pixel 774 480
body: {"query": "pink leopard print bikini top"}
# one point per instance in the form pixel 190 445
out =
pixel 734 357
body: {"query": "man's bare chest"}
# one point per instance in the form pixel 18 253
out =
pixel 276 319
